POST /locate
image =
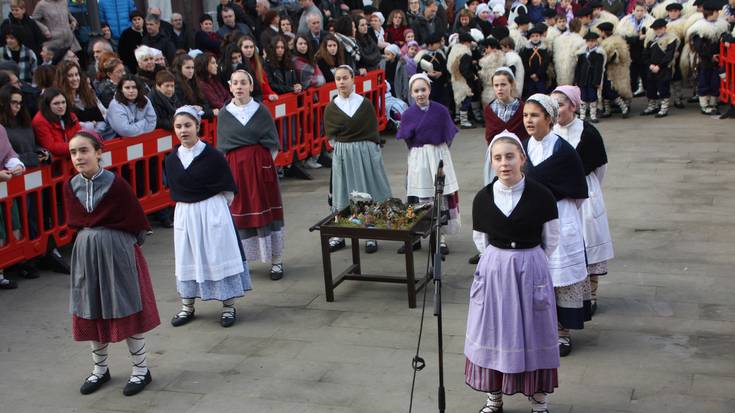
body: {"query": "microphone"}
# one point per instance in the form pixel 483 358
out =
pixel 439 179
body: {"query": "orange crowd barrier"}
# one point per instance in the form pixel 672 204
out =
pixel 727 84
pixel 32 215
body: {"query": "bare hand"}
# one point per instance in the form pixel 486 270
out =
pixel 18 170
pixel 362 71
pixel 534 77
pixel 215 112
pixel 344 7
pixel 297 88
pixel 272 97
pixel 5 175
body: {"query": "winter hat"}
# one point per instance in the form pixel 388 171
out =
pixel 571 92
pixel 393 49
pixel 481 8
pixel 476 35
pixel 380 17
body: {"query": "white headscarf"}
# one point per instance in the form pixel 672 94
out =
pixel 508 135
pixel 549 104
pixel 417 76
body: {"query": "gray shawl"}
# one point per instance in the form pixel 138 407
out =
pixel 260 129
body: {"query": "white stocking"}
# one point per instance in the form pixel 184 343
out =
pixel 136 347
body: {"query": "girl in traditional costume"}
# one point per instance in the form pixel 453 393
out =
pixel 247 135
pixel 210 262
pixel 591 149
pixel 428 130
pixel 555 164
pixel 511 341
pixel 357 164
pixel 111 293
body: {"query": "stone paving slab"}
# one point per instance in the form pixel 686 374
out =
pixel 662 340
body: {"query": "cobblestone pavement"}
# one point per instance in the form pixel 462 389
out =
pixel 661 341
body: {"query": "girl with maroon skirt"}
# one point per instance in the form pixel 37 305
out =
pixel 511 341
pixel 111 293
pixel 247 135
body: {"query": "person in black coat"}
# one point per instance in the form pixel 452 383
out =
pixel 658 55
pixel 164 100
pixel 434 63
pixel 130 39
pixel 157 39
pixel 183 37
pixel 432 21
pixel 30 33
pixel 588 75
pixel 279 68
pixel 536 59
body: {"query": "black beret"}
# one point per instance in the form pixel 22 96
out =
pixel 549 13
pixel 522 19
pixel 465 37
pixel 698 2
pixel 584 11
pixel 658 23
pixel 606 27
pixel 490 42
pixel 674 6
pixel 500 32
pixel 590 35
pixel 434 38
pixel 712 5
pixel 535 30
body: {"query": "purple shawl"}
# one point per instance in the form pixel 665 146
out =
pixel 432 127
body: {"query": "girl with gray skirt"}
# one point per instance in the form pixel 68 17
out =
pixel 357 163
pixel 111 293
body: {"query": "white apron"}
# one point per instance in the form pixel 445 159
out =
pixel 597 239
pixel 567 263
pixel 423 163
pixel 205 242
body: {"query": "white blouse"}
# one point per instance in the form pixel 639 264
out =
pixel 243 113
pixel 506 199
pixel 539 151
pixel 350 104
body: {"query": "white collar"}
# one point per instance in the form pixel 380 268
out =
pixel 515 188
pixel 199 146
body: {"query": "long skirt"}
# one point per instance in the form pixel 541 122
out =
pixel 357 167
pixel 257 208
pixel 423 163
pixel 210 263
pixel 97 321
pixel 574 304
pixel 511 342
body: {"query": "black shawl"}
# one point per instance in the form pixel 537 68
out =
pixel 260 129
pixel 562 172
pixel 591 149
pixel 207 175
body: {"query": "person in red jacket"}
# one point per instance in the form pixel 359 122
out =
pixel 55 124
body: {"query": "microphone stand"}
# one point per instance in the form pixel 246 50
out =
pixel 434 271
pixel 437 275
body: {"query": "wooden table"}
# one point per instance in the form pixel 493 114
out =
pixel 328 229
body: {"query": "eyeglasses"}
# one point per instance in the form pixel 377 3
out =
pixel 16 102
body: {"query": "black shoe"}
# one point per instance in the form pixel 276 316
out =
pixel 276 272
pixel 371 246
pixel 227 319
pixel 136 386
pixel 729 114
pixel 324 161
pixel 593 307
pixel 25 270
pixel 6 284
pixel 660 115
pixel 416 246
pixel 565 346
pixel 443 248
pixel 57 263
pixel 181 318
pixel 474 259
pixel 679 105
pixel 89 387
pixel 295 172
pixel 166 222
pixel 693 99
pixel 336 245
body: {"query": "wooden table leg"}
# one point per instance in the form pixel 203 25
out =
pixel 410 277
pixel 356 254
pixel 327 262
